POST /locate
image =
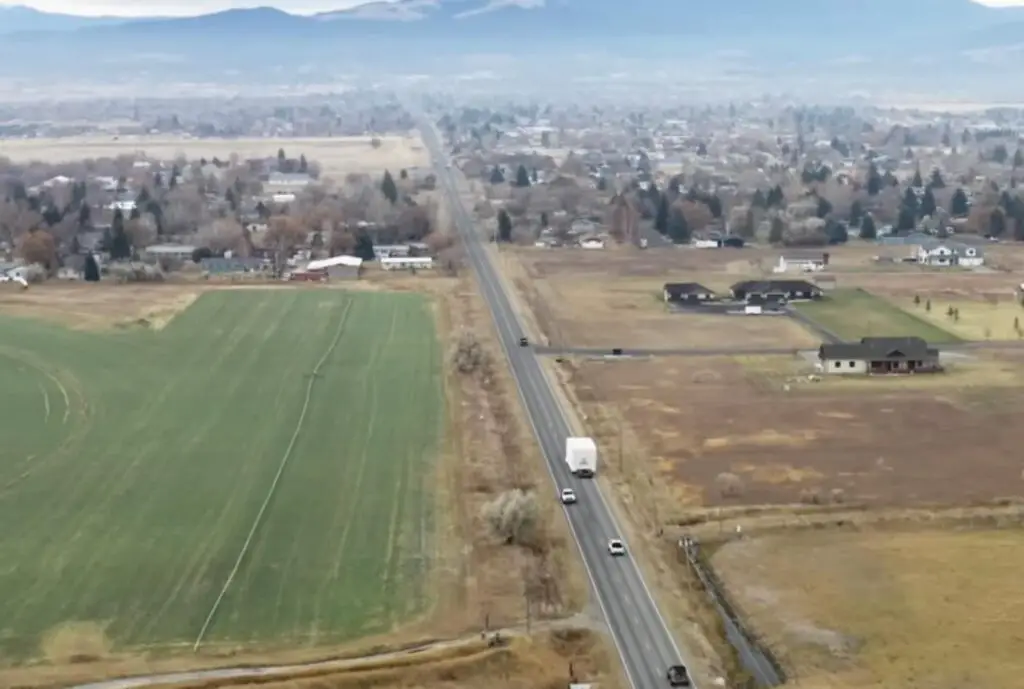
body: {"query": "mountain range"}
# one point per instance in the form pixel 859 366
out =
pixel 420 34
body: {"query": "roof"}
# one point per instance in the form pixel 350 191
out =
pixel 767 286
pixel 350 261
pixel 390 260
pixel 880 349
pixel 686 288
pixel 170 249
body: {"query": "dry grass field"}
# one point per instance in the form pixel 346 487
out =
pixel 582 301
pixel 679 423
pixel 915 609
pixel 337 156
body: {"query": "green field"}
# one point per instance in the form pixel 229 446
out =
pixel 853 313
pixel 134 464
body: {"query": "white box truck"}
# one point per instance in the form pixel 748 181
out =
pixel 581 456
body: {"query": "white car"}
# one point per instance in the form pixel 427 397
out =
pixel 616 547
pixel 568 496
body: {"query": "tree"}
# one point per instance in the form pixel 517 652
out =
pixel 232 200
pixel 824 207
pixel 875 181
pixel 868 230
pixel 775 198
pixel 917 182
pixel 1018 159
pixel 504 226
pixel 936 181
pixel 282 160
pixel 959 207
pixel 39 247
pixel 363 247
pixel 777 230
pixel 906 220
pixel 662 217
pixel 856 213
pixel 997 222
pixel 522 177
pixel 91 268
pixel 543 218
pixel 304 165
pixel 928 206
pixel 120 245
pixel 714 205
pixel 1000 154
pixel 389 188
pixel 678 229
pixel 497 177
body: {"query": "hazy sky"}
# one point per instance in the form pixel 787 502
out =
pixel 193 7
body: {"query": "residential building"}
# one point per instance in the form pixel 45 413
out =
pixel 179 251
pixel 941 252
pixel 216 265
pixel 687 293
pixel 875 355
pixel 338 267
pixel 801 263
pixel 287 181
pixel 407 263
pixel 788 290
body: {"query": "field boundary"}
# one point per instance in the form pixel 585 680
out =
pixel 756 657
pixel 277 478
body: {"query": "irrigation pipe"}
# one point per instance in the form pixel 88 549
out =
pixel 273 485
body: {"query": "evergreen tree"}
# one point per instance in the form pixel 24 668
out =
pixel 867 227
pixel 282 160
pixel 363 247
pixel 777 230
pixel 856 213
pixel 714 205
pixel 1018 159
pixel 776 199
pixel 907 219
pixel 304 165
pixel 917 182
pixel 85 216
pixel 389 188
pixel 959 207
pixel 403 174
pixel 158 180
pixel 875 180
pixel 824 207
pixel 504 226
pixel 262 211
pixel 91 268
pixel 543 218
pixel 522 177
pixel 928 206
pixel 910 201
pixel 662 217
pixel 678 229
pixel 120 245
pixel 602 184
pixel 758 200
pixel 535 176
pixel 702 150
pixel 135 213
pixel 497 177
pixel 232 200
pixel 1000 154
pixel 936 181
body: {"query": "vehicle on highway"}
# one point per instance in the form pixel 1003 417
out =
pixel 678 676
pixel 581 456
pixel 568 496
pixel 523 342
pixel 616 547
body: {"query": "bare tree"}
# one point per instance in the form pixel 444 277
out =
pixel 222 235
pixel 515 517
pixel 468 355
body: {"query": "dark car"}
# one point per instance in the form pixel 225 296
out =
pixel 523 342
pixel 678 676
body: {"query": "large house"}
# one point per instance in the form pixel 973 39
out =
pixel 686 293
pixel 801 263
pixel 940 252
pixel 775 290
pixel 879 355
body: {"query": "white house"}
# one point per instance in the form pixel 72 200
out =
pixel 407 263
pixel 592 244
pixel 800 264
pixel 288 181
pixel 179 251
pixel 124 205
pixel 937 252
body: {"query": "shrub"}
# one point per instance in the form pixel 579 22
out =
pixel 468 355
pixel 135 272
pixel 729 485
pixel 515 517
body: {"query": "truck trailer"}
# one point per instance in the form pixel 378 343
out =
pixel 581 456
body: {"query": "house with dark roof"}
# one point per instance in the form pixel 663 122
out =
pixel 903 355
pixel 687 293
pixel 776 290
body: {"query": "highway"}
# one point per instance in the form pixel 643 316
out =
pixel 642 638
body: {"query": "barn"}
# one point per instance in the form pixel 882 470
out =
pixel 337 267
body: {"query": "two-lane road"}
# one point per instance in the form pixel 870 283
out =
pixel 641 636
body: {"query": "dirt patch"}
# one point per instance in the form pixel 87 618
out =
pixel 685 421
pixel 337 156
pixel 920 608
pixel 76 642
pixel 100 306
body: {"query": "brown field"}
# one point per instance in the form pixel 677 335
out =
pixel 488 449
pixel 337 156
pixel 926 609
pixel 681 422
pixel 581 301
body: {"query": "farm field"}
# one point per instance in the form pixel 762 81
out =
pixel 676 425
pixel 978 320
pixel 580 305
pixel 143 459
pixel 853 313
pixel 337 156
pixel 927 609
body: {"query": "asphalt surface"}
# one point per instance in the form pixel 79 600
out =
pixel 642 352
pixel 641 636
